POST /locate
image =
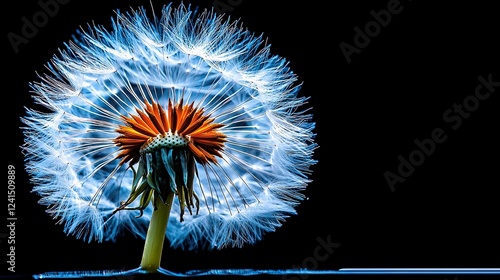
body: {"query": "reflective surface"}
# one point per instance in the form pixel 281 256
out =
pixel 285 273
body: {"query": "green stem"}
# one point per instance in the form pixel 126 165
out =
pixel 155 236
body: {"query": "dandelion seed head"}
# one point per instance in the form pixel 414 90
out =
pixel 185 102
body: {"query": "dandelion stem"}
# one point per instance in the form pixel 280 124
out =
pixel 155 237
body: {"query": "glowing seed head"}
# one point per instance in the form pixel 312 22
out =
pixel 184 102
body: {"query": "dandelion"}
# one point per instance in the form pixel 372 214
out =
pixel 185 119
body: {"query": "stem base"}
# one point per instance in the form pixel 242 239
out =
pixel 155 237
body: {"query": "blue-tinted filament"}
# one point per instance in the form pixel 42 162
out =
pixel 256 272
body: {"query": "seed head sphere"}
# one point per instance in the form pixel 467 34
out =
pixel 185 102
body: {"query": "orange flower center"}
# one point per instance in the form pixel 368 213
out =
pixel 166 144
pixel 181 125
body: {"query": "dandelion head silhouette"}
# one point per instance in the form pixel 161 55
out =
pixel 185 104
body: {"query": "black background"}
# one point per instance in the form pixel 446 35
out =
pixel 368 112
